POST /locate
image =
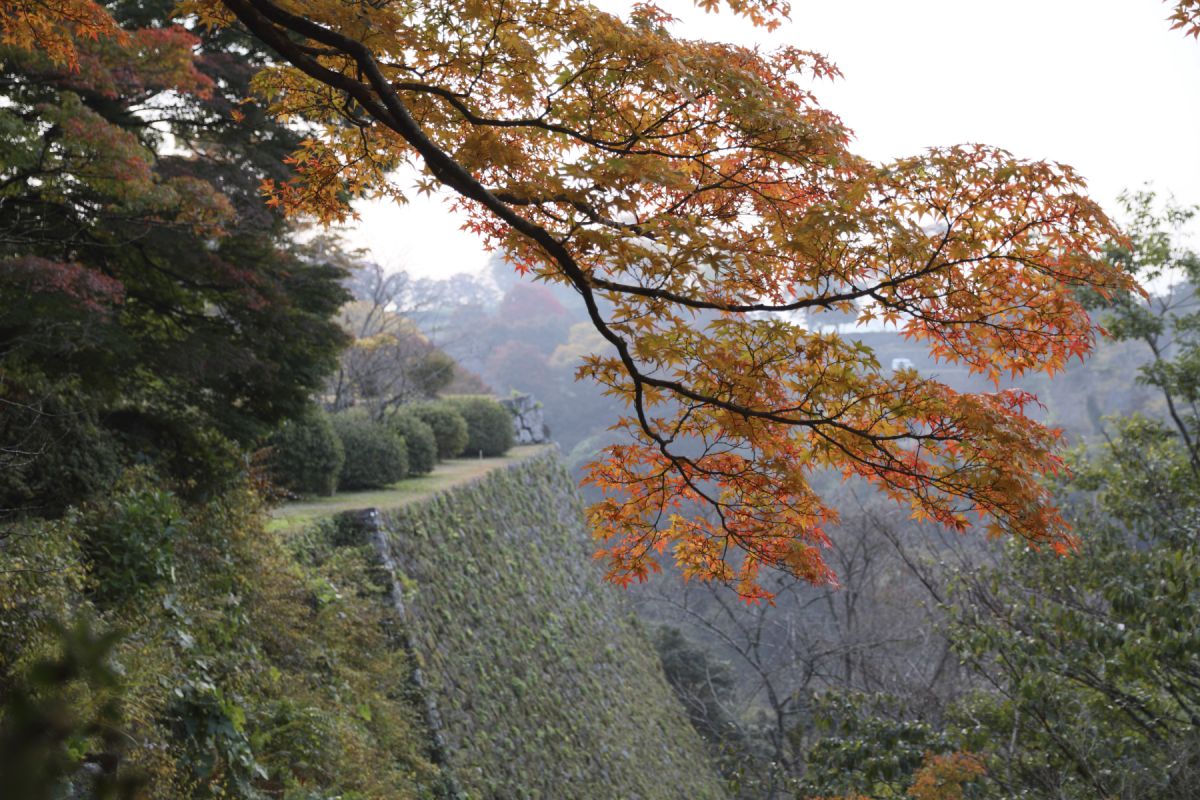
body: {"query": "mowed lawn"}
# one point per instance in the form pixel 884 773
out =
pixel 446 474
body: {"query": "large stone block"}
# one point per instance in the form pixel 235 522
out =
pixel 529 423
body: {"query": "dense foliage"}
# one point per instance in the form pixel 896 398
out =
pixel 858 748
pixel 166 313
pixel 489 426
pixel 55 447
pixel 419 440
pixel 239 663
pixel 448 426
pixel 306 455
pixel 375 455
pixel 1089 664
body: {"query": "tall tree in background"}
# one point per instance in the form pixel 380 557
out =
pixel 389 361
pixel 1167 323
pixel 165 311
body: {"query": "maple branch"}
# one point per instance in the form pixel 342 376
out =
pixel 259 16
pixel 696 187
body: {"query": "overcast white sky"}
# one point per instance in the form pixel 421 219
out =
pixel 1102 85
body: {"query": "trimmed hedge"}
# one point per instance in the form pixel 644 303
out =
pixel 419 440
pixel 489 425
pixel 449 427
pixel 375 455
pixel 307 455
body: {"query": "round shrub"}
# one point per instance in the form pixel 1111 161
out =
pixel 418 438
pixel 449 427
pixel 489 425
pixel 375 456
pixel 306 455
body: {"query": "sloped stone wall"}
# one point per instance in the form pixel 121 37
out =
pixel 539 681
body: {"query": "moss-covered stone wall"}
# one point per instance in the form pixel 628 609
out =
pixel 540 683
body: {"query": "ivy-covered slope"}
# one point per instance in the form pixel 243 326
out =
pixel 540 682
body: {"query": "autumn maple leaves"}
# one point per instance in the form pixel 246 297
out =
pixel 699 200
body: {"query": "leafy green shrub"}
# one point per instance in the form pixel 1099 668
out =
pixel 43 575
pixel 300 740
pixel 183 446
pixel 449 427
pixel 210 732
pixel 375 456
pixel 307 455
pixel 130 537
pixel 418 438
pixel 489 425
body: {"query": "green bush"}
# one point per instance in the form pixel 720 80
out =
pixel 449 427
pixel 129 538
pixel 418 439
pixel 375 456
pixel 866 745
pixel 489 425
pixel 307 455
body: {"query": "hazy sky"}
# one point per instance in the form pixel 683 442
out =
pixel 1102 85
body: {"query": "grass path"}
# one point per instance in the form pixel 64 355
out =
pixel 445 475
